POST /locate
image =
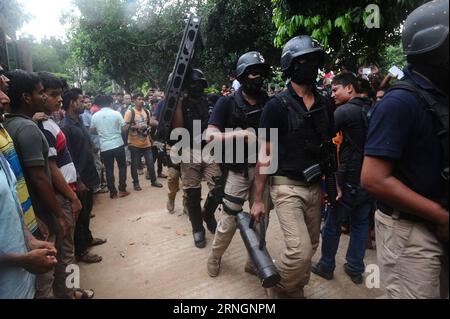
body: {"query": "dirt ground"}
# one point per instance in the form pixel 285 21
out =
pixel 150 254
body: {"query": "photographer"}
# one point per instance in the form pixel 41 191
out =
pixel 137 123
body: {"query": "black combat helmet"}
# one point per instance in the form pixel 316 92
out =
pixel 250 59
pixel 299 46
pixel 197 75
pixel 426 28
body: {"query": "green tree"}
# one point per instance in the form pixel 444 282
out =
pixel 131 44
pixel 393 55
pixel 50 55
pixel 231 28
pixel 340 26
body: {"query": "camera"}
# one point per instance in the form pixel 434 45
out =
pixel 144 132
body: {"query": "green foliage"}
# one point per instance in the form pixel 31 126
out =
pixel 50 55
pixel 96 83
pixel 277 79
pixel 231 28
pixel 339 25
pixel 212 90
pixel 393 55
pixel 137 44
pixel 131 44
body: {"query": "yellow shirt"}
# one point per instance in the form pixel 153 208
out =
pixel 134 137
pixel 7 149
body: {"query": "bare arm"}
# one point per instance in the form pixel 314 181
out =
pixel 258 208
pixel 63 188
pixel 154 121
pixel 178 118
pixel 214 133
pixel 377 179
pixel 38 261
pixel 34 243
pixel 386 81
pixel 127 126
pixel 43 185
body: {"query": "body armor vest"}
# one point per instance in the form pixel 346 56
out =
pixel 195 109
pixel 308 138
pixel 244 116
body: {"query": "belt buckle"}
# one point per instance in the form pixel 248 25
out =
pixel 395 215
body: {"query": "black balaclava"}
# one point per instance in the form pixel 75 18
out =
pixel 196 89
pixel 252 87
pixel 305 73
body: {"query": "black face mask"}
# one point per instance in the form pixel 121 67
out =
pixel 196 91
pixel 253 87
pixel 305 73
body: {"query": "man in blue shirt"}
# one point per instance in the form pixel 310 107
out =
pixel 108 124
pixel 404 161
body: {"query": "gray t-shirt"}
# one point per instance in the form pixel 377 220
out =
pixel 32 148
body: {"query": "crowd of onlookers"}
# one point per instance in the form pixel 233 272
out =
pixel 57 151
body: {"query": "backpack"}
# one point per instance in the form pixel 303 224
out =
pixel 366 112
pixel 440 115
pixel 133 116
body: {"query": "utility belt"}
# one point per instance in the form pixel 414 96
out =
pixel 283 180
pixel 395 214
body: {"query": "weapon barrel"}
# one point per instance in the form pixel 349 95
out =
pixel 267 271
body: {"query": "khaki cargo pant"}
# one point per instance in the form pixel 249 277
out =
pixel 239 186
pixel 53 283
pixel 299 213
pixel 173 184
pixel 173 181
pixel 411 259
pixel 193 173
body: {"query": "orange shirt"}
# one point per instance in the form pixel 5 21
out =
pixel 134 137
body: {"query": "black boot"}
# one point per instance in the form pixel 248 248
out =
pixel 208 213
pixel 193 198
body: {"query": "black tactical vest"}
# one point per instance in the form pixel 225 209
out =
pixel 244 116
pixel 195 109
pixel 308 138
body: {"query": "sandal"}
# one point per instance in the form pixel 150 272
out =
pixel 90 258
pixel 97 242
pixel 85 293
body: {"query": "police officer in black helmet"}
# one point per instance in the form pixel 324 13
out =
pixel 303 117
pixel 194 109
pixel 241 110
pixel 406 163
